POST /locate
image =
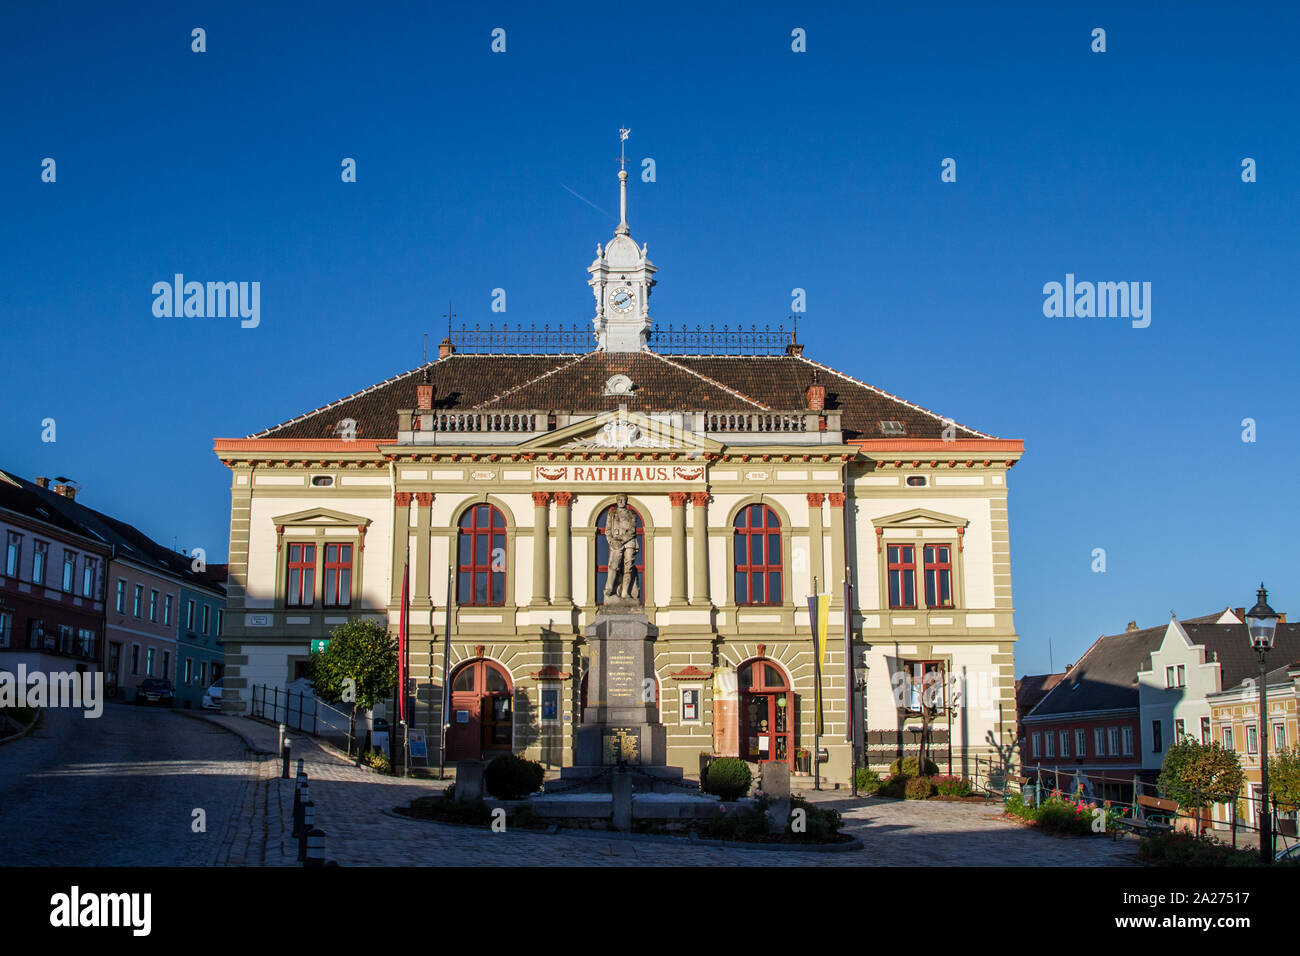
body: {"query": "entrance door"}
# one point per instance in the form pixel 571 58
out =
pixel 766 713
pixel 114 667
pixel 482 713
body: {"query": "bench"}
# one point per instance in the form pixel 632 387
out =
pixel 1157 807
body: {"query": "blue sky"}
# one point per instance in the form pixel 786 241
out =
pixel 819 170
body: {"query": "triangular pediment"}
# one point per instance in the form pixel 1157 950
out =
pixel 920 518
pixel 623 431
pixel 318 517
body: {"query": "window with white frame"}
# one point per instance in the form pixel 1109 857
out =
pixel 167 609
pixel 206 610
pixel 89 571
pixel 6 629
pixel 69 570
pixel 1169 676
pixel 1065 743
pixel 189 615
pixel 1252 739
pixel 1037 741
pixel 1227 738
pixel 1180 727
pixel 39 556
pixel 1279 736
pixel 148 662
pixel 1128 741
pixel 121 595
pixel 138 602
pixel 1112 741
pixel 1081 743
pixel 1099 742
pixel 153 605
pixel 1051 745
pixel 1205 730
pixel 13 554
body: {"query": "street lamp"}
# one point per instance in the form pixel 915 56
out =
pixel 1261 624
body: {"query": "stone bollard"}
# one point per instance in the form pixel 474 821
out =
pixel 622 787
pixel 285 754
pixel 774 780
pixel 308 825
pixel 314 841
pixel 303 794
pixel 279 742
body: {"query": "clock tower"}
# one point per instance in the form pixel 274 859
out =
pixel 622 276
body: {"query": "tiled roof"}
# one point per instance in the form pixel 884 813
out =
pixel 1237 660
pixel 1105 677
pixel 127 541
pixel 1032 688
pixel 576 383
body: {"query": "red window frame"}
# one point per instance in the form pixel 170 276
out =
pixel 300 575
pixel 766 534
pixel 901 572
pixel 938 574
pixel 482 531
pixel 338 576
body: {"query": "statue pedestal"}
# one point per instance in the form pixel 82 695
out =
pixel 621 724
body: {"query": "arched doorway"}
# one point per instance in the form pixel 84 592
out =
pixel 482 711
pixel 766 712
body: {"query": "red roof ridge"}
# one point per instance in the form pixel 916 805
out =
pixel 711 381
pixel 892 397
pixel 536 378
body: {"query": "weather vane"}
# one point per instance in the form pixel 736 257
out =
pixel 622 149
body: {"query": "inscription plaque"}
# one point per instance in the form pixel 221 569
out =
pixel 622 743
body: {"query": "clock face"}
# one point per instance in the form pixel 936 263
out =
pixel 622 300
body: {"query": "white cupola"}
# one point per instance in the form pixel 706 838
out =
pixel 622 276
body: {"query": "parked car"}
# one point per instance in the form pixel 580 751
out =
pixel 1290 854
pixel 212 696
pixel 155 690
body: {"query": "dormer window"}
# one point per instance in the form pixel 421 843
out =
pixel 893 429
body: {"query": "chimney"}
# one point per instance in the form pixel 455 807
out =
pixel 424 393
pixel 816 394
pixel 1132 626
pixel 445 348
pixel 42 481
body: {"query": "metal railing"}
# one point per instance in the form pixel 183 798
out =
pixel 303 712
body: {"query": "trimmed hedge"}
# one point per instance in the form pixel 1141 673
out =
pixel 911 767
pixel 869 781
pixel 918 788
pixel 728 778
pixel 509 777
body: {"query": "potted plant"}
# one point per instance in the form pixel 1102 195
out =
pixel 802 760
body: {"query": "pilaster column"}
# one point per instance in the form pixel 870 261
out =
pixel 677 593
pixel 836 583
pixel 816 547
pixel 401 535
pixel 700 536
pixel 423 508
pixel 563 548
pixel 541 547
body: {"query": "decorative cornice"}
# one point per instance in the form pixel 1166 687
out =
pixel 691 672
pixel 550 672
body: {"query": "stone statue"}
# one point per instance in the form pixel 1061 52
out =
pixel 620 532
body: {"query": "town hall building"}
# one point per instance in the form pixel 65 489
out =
pixel 753 479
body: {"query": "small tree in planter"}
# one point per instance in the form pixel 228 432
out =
pixel 357 667
pixel 1198 775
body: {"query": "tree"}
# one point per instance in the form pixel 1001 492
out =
pixel 358 667
pixel 1284 778
pixel 1198 775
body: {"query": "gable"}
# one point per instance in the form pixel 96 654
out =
pixel 920 518
pixel 321 517
pixel 619 430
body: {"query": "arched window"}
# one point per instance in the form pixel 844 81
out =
pixel 602 556
pixel 482 556
pixel 758 555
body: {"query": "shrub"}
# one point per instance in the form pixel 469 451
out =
pixel 947 786
pixel 894 786
pixel 911 767
pixel 1180 848
pixel 869 781
pixel 1197 774
pixel 918 788
pixel 822 824
pixel 376 760
pixel 728 778
pixel 1057 814
pixel 509 777
pixel 741 823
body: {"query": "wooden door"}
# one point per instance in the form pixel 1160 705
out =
pixel 482 712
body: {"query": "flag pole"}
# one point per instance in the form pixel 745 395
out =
pixel 446 687
pixel 403 661
pixel 850 727
pixel 817 677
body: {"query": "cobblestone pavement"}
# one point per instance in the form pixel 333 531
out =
pixel 351 806
pixel 118 790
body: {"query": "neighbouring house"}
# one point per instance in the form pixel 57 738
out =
pixel 1031 689
pixel 51 584
pixel 1234 722
pixel 200 622
pixel 140 589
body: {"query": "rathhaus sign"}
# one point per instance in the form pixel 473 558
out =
pixel 618 474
